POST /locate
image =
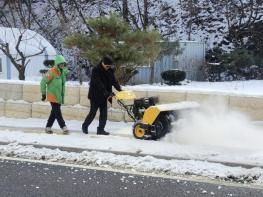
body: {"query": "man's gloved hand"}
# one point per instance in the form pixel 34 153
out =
pixel 110 97
pixel 110 100
pixel 112 94
pixel 43 97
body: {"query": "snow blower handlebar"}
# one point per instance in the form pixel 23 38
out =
pixel 128 108
pixel 126 95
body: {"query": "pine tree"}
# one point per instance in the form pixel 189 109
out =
pixel 112 36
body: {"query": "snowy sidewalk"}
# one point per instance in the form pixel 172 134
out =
pixel 121 151
pixel 29 131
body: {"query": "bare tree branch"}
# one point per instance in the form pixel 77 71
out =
pixel 82 16
pixel 35 54
pixel 140 12
pixel 125 10
pixel 146 16
pixel 23 60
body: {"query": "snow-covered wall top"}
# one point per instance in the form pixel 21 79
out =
pixel 252 88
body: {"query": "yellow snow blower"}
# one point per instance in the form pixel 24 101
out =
pixel 151 121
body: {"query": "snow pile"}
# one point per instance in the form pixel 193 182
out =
pixel 147 164
pixel 215 125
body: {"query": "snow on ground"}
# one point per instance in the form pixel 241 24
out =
pixel 203 137
pixel 251 88
pixel 199 150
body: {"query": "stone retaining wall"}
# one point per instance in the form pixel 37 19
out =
pixel 15 109
pixel 11 91
pixel 2 107
pixel 23 101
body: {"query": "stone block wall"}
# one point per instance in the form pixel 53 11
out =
pixel 74 113
pixel 18 109
pixel 208 99
pixel 72 95
pixel 11 91
pixel 2 107
pixel 31 93
pixel 23 101
pixel 251 106
pixel 168 97
pixel 41 110
pixel 83 92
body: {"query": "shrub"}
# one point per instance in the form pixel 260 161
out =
pixel 49 63
pixel 173 77
pixel 43 71
pixel 240 64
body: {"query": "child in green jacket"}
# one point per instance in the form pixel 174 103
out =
pixel 53 89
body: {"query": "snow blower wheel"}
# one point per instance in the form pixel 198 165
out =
pixel 162 126
pixel 138 131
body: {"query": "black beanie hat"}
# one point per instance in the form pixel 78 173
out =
pixel 107 60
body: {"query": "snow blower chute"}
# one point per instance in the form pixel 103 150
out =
pixel 151 121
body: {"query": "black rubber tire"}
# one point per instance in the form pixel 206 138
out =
pixel 163 126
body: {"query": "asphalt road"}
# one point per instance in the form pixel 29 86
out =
pixel 30 179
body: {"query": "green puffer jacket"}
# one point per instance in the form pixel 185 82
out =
pixel 53 83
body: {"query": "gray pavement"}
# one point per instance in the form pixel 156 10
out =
pixel 30 179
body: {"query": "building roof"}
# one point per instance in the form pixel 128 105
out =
pixel 31 43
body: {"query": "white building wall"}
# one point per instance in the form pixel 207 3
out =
pixel 190 60
pixel 31 43
pixel 33 67
pixel 3 74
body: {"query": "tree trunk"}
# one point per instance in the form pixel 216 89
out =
pixel 152 72
pixel 21 75
pixel 79 74
pixel 125 11
pixel 146 17
pixel 190 22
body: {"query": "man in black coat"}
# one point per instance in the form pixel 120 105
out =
pixel 100 91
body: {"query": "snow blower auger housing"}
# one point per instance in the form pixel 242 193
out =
pixel 151 121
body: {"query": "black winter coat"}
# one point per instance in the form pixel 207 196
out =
pixel 101 83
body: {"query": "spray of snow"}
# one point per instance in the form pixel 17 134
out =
pixel 215 125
